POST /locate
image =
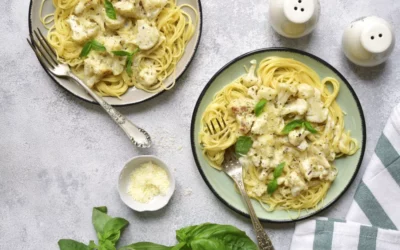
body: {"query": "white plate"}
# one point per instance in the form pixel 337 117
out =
pixel 133 96
pixel 159 201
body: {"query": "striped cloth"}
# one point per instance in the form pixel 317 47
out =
pixel 373 221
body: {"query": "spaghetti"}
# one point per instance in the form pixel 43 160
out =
pixel 75 22
pixel 299 126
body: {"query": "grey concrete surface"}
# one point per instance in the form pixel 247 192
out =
pixel 60 156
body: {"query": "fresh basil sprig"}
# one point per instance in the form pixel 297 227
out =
pixel 297 124
pixel 129 58
pixel 243 145
pixel 110 11
pixel 108 232
pixel 260 107
pixel 91 45
pixel 273 185
pixel 204 236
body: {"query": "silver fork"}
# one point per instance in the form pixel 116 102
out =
pixel 232 167
pixel 48 58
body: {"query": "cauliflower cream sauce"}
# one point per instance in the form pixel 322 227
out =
pixel 308 156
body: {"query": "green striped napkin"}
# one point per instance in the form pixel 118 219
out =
pixel 373 220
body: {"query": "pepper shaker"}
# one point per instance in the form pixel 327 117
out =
pixel 294 18
pixel 368 41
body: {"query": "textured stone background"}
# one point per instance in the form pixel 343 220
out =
pixel 60 156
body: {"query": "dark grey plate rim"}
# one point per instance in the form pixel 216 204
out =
pixel 272 49
pixel 128 104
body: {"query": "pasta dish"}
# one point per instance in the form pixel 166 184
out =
pixel 116 44
pixel 286 128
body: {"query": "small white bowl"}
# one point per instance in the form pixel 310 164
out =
pixel 157 202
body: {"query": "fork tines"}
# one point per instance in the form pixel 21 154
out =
pixel 43 50
pixel 216 125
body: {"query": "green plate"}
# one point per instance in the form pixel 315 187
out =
pixel 222 186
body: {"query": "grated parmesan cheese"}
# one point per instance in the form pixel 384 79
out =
pixel 148 181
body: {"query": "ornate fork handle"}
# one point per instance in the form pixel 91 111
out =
pixel 264 242
pixel 138 136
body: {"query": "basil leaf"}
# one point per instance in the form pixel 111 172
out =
pixel 243 145
pixel 260 107
pixel 310 128
pixel 65 244
pixel 86 49
pixel 115 225
pixel 278 170
pixel 112 229
pixel 129 62
pixel 98 46
pixel 110 11
pixel 107 245
pixel 145 246
pixel 100 219
pixel 92 245
pixel 213 236
pixel 291 126
pixel 95 45
pixel 272 186
pixel 121 53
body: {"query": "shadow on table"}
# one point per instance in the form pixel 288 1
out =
pixel 368 74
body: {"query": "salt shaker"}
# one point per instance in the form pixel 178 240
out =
pixel 368 41
pixel 294 18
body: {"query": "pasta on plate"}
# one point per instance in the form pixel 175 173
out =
pixel 113 45
pixel 287 129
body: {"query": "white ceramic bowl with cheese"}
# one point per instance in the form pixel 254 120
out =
pixel 124 182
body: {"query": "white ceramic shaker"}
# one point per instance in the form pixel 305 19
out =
pixel 368 41
pixel 294 18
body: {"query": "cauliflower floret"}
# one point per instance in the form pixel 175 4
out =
pixel 266 93
pixel 285 91
pixel 84 5
pixel 263 176
pixel 114 24
pixel 147 36
pixel 251 79
pixel 82 30
pixel 98 65
pixel 242 105
pixel 153 7
pixel 245 122
pixel 264 140
pixel 252 91
pixel 316 167
pixel 298 107
pixel 297 136
pixel 316 112
pixel 303 146
pixel 305 91
pixel 111 43
pixel 260 124
pixel 296 183
pixel 259 190
pixel 130 8
pixel 148 76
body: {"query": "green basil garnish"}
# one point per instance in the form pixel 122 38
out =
pixel 129 59
pixel 297 124
pixel 110 11
pixel 310 128
pixel 243 145
pixel 91 45
pixel 204 236
pixel 278 170
pixel 260 107
pixel 272 186
pixel 291 126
